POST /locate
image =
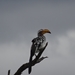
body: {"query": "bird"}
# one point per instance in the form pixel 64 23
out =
pixel 38 43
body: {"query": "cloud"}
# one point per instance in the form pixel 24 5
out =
pixel 66 43
pixel 63 45
pixel 19 23
pixel 60 51
pixel 12 56
pixel 19 18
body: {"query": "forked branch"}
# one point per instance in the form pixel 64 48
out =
pixel 35 61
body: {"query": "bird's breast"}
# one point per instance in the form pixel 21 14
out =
pixel 42 45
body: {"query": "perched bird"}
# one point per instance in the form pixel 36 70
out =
pixel 37 43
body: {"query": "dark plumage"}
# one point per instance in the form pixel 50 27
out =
pixel 37 43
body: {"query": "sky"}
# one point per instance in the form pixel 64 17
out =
pixel 20 21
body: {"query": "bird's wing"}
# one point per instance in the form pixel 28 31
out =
pixel 32 53
pixel 37 42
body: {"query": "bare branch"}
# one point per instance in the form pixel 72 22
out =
pixel 35 61
pixel 8 72
pixel 42 58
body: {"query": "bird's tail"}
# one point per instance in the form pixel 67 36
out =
pixel 30 67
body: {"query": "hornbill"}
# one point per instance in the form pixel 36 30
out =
pixel 37 43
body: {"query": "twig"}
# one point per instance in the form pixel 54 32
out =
pixel 8 72
pixel 42 58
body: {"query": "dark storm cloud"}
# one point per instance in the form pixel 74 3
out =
pixel 19 18
pixel 19 22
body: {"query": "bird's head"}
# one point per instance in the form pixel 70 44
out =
pixel 43 31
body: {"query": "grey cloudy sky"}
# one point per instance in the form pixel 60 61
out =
pixel 19 22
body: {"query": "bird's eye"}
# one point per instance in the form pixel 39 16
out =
pixel 40 30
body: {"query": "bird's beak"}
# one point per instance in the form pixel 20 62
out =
pixel 46 31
